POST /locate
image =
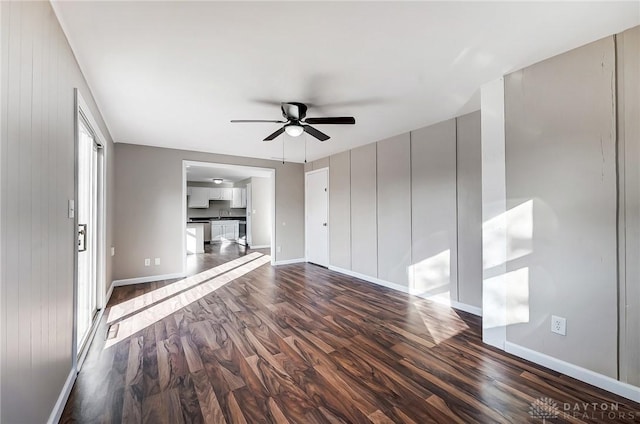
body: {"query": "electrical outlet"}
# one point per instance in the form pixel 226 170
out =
pixel 157 261
pixel 558 325
pixel 147 261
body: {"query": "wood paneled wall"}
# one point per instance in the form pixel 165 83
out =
pixel 394 210
pixel 434 242
pixel 560 144
pixel 469 188
pixel 39 74
pixel 628 77
pixel 340 210
pixel 364 210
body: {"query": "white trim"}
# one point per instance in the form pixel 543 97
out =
pixel 108 295
pixel 147 279
pixel 261 246
pixel 370 279
pixel 494 207
pixel 595 379
pixel 288 262
pixel 83 109
pixel 450 303
pixel 248 168
pixel 58 408
pixel 453 304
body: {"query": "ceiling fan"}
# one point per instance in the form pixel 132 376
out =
pixel 296 122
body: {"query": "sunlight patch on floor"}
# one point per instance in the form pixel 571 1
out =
pixel 133 305
pixel 433 319
pixel 155 313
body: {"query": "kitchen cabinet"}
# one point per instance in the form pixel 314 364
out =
pixel 224 231
pixel 218 193
pixel 199 197
pixel 239 197
pixel 195 237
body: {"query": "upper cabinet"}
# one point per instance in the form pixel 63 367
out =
pixel 217 193
pixel 198 197
pixel 226 193
pixel 239 198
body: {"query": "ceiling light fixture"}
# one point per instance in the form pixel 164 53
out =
pixel 294 130
pixel 217 180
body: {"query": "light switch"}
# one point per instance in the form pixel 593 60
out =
pixel 72 209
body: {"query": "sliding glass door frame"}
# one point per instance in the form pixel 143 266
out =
pixel 96 236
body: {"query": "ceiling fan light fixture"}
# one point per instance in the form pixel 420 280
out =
pixel 217 180
pixel 294 130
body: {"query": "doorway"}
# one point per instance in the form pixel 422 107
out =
pixel 220 197
pixel 317 213
pixel 89 216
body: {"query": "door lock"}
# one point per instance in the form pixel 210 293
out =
pixel 324 224
pixel 82 237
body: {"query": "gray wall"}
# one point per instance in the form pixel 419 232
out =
pixel 316 164
pixel 340 210
pixel 561 182
pixel 393 210
pixel 364 213
pixel 628 78
pixel 261 211
pixel 469 177
pixel 39 74
pixel 148 213
pixel 433 200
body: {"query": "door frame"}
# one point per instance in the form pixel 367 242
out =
pixel 81 106
pixel 249 169
pixel 247 228
pixel 306 208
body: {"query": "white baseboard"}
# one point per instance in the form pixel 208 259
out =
pixel 109 293
pixel 148 279
pixel 56 413
pixel 451 303
pixel 370 279
pixel 260 246
pixel 288 261
pixel 602 381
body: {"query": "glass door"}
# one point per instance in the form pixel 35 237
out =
pixel 87 213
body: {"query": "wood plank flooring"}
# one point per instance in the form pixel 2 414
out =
pixel 301 344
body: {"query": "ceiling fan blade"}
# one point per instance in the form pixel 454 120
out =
pixel 274 135
pixel 314 132
pixel 334 120
pixel 235 121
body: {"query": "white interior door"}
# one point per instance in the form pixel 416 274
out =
pixel 316 223
pixel 87 214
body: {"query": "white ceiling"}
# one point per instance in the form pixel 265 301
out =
pixel 173 74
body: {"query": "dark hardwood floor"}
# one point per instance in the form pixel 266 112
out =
pixel 301 344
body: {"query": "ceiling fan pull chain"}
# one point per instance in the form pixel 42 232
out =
pixel 283 149
pixel 305 148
